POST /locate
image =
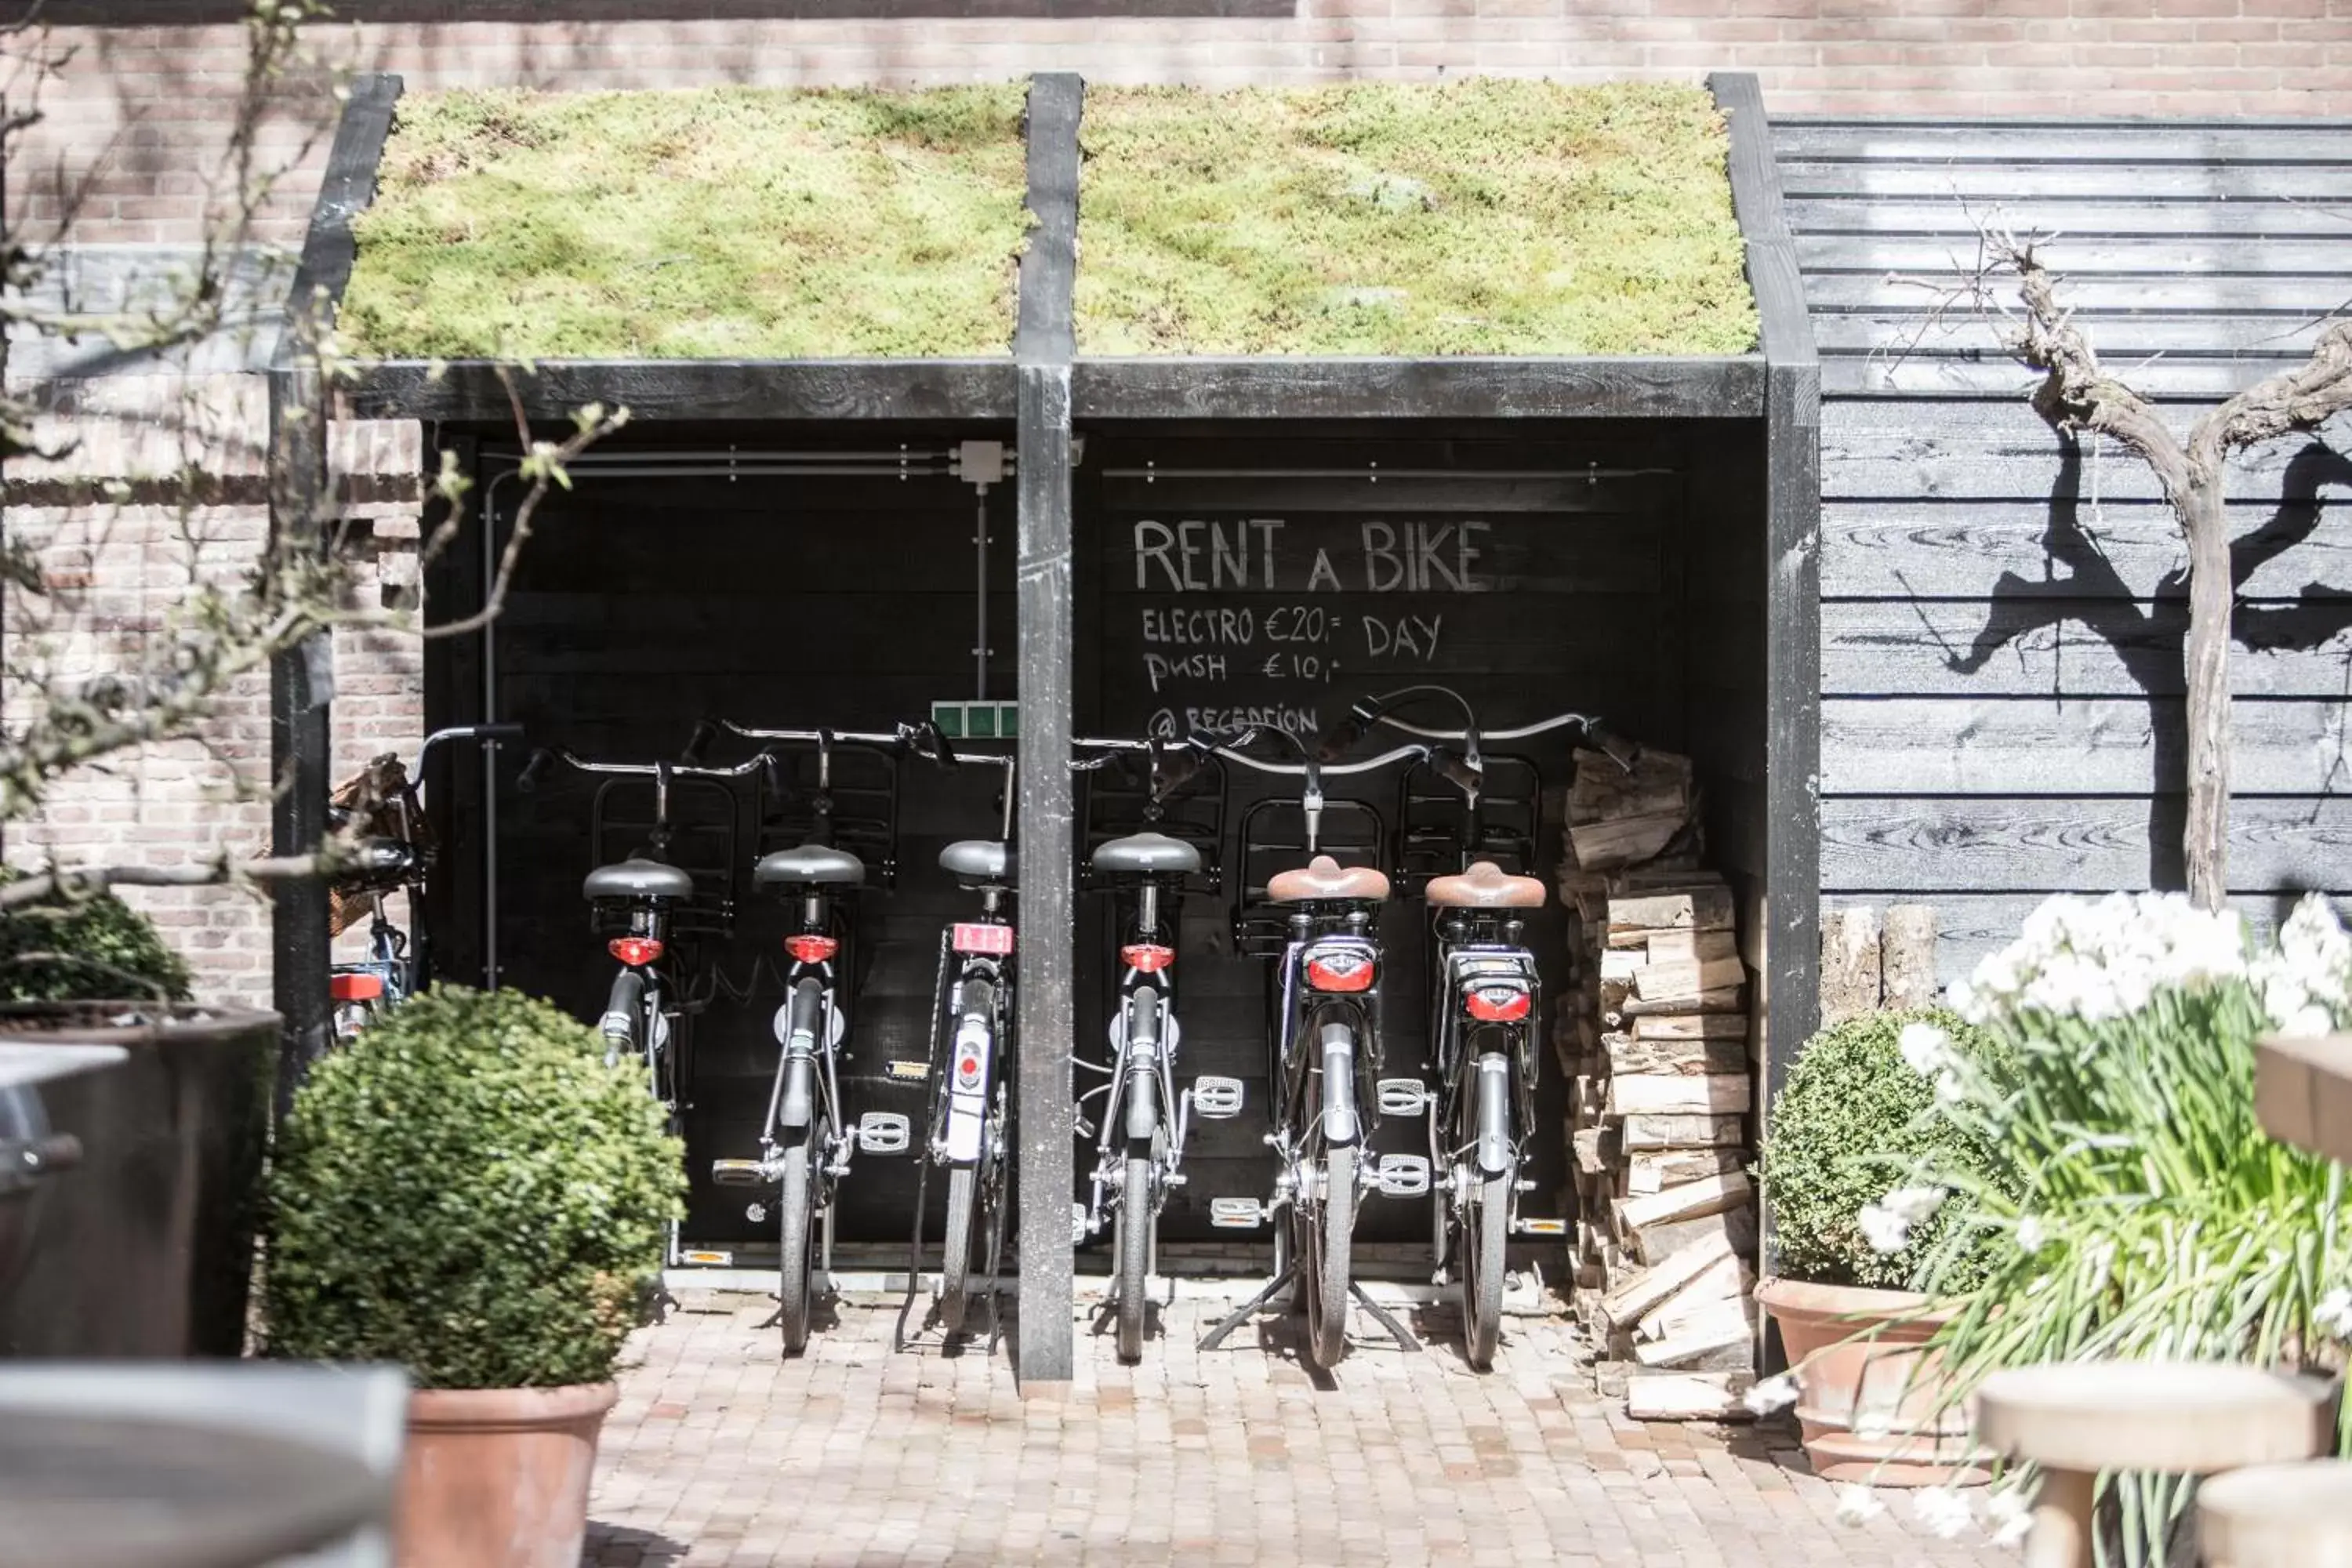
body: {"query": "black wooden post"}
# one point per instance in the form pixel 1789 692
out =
pixel 301 679
pixel 1044 347
pixel 1793 603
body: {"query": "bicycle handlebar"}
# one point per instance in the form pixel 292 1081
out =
pixel 1541 726
pixel 528 780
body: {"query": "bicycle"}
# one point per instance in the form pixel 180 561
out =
pixel 1486 1006
pixel 394 856
pixel 1145 1120
pixel 805 1141
pixel 1327 1054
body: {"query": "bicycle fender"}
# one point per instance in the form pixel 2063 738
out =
pixel 1494 1115
pixel 1341 1126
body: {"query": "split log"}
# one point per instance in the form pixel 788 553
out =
pixel 1724 1344
pixel 1706 908
pixel 1596 1150
pixel 1641 1133
pixel 1622 841
pixel 1692 1200
pixel 1647 1173
pixel 1907 966
pixel 1632 1054
pixel 1682 980
pixel 1676 1094
pixel 1641 1293
pixel 1692 946
pixel 1731 999
pixel 1849 964
pixel 1688 1395
pixel 1658 1243
pixel 1691 1026
pixel 1700 1301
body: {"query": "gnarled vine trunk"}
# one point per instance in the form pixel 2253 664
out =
pixel 2205 842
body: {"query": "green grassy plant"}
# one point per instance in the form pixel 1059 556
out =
pixel 1480 216
pixel 721 223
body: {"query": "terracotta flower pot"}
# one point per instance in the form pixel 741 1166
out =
pixel 1868 1402
pixel 497 1478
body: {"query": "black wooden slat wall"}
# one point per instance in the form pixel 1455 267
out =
pixel 2001 612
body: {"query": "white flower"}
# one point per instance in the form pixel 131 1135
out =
pixel 2031 1234
pixel 1773 1394
pixel 1942 1510
pixel 1916 1205
pixel 1885 1230
pixel 2333 1314
pixel 2007 1515
pixel 2307 1023
pixel 1857 1504
pixel 1927 1049
pixel 1873 1427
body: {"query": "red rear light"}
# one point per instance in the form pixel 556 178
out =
pixel 968 1072
pixel 355 987
pixel 636 951
pixel 811 949
pixel 1499 1004
pixel 1340 971
pixel 1149 957
pixel 985 937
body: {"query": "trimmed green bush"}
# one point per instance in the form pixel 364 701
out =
pixel 1854 1121
pixel 470 1190
pixel 92 949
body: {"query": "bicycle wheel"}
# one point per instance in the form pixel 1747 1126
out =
pixel 1328 1236
pixel 955 1253
pixel 1134 1255
pixel 1481 1239
pixel 797 1244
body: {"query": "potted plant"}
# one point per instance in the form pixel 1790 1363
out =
pixel 1857 1117
pixel 141 1243
pixel 471 1191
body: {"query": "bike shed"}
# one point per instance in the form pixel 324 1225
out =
pixel 1631 536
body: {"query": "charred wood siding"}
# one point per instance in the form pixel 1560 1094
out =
pixel 2001 612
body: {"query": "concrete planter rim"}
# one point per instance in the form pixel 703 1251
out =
pixel 109 1023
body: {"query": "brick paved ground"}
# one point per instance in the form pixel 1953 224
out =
pixel 720 1453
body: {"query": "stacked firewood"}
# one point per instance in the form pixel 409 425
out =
pixel 1654 1039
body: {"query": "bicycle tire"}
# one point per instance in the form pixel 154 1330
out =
pixel 796 1240
pixel 1134 1255
pixel 955 1250
pixel 1331 1233
pixel 1481 1239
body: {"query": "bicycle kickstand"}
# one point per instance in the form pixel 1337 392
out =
pixel 1381 1316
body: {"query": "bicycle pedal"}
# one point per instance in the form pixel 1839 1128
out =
pixel 738 1173
pixel 1217 1098
pixel 1540 1228
pixel 900 1071
pixel 1236 1214
pixel 1403 1177
pixel 1078 1225
pixel 884 1133
pixel 1402 1096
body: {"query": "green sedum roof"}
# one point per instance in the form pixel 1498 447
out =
pixel 721 223
pixel 1480 216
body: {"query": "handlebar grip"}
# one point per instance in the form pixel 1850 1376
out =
pixel 941 750
pixel 698 743
pixel 498 732
pixel 528 780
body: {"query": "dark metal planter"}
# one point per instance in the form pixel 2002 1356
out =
pixel 144 1246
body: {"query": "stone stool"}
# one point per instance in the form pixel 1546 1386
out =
pixel 2278 1516
pixel 2075 1419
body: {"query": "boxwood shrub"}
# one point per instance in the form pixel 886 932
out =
pixel 90 948
pixel 469 1189
pixel 1854 1122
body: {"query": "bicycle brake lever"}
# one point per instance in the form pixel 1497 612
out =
pixel 698 743
pixel 527 781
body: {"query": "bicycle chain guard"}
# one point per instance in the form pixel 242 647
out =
pixel 1217 1098
pixel 1402 1096
pixel 1403 1177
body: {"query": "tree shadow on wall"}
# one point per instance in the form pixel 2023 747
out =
pixel 2148 633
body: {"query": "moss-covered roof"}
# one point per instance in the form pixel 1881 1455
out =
pixel 717 223
pixel 1479 217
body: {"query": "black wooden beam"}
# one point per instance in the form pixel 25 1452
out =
pixel 469 391
pixel 1047 1012
pixel 1792 605
pixel 301 679
pixel 328 249
pixel 1456 388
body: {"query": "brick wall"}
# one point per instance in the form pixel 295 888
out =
pixel 138 104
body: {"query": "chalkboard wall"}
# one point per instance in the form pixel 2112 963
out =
pixel 1224 578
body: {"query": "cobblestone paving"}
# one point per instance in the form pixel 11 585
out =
pixel 721 1453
